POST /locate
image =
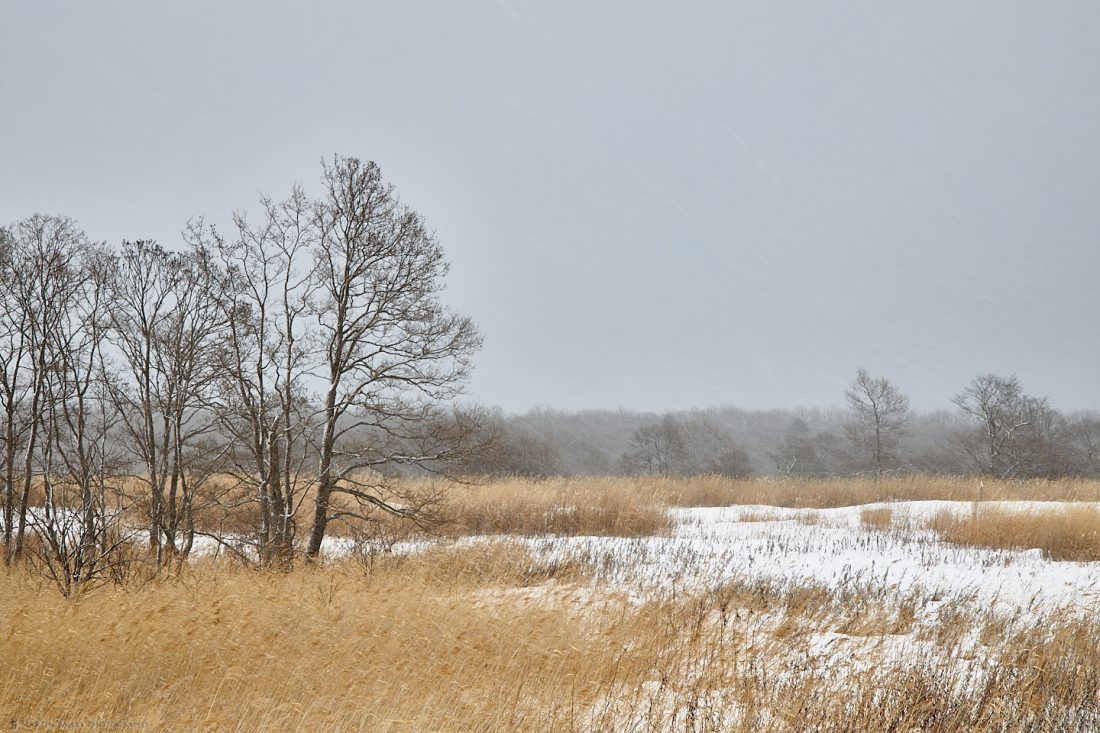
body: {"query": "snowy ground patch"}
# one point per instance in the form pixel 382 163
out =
pixel 709 546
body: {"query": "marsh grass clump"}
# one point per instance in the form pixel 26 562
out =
pixel 1069 533
pixel 596 506
pixel 877 518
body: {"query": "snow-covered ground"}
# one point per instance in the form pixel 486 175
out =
pixel 904 565
pixel 963 604
pixel 830 547
pixel 897 599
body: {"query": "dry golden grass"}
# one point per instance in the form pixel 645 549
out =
pixel 616 506
pixel 836 492
pixel 485 636
pixel 224 648
pixel 809 518
pixel 637 506
pixel 1064 533
pixel 878 518
pixel 488 639
pixel 619 507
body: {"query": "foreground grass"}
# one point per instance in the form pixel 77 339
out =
pixel 486 638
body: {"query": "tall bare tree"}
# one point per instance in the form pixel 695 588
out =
pixel 878 413
pixel 167 326
pixel 78 524
pixel 392 352
pixel 56 422
pixel 141 295
pixel 1003 413
pixel 14 355
pixel 42 283
pixel 192 340
pixel 264 407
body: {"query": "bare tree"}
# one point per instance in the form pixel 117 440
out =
pixel 1003 413
pixel 1082 436
pixel 341 293
pixel 711 449
pixel 167 326
pixel 14 356
pixel 878 416
pixel 42 284
pixel 140 289
pixel 78 524
pixel 658 448
pixel 192 339
pixel 264 407
pixel 56 422
pixel 392 353
pixel 1044 447
pixel 511 450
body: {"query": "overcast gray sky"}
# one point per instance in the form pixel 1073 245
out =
pixel 647 205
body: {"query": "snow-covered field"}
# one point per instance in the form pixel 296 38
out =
pixel 830 547
pixel 896 603
pixel 735 618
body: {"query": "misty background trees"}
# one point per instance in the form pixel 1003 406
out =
pixel 879 413
pixel 876 433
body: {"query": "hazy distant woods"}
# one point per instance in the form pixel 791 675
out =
pixel 995 429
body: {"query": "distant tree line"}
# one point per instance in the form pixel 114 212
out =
pixel 996 429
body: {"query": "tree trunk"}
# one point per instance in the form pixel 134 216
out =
pixel 9 475
pixel 325 483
